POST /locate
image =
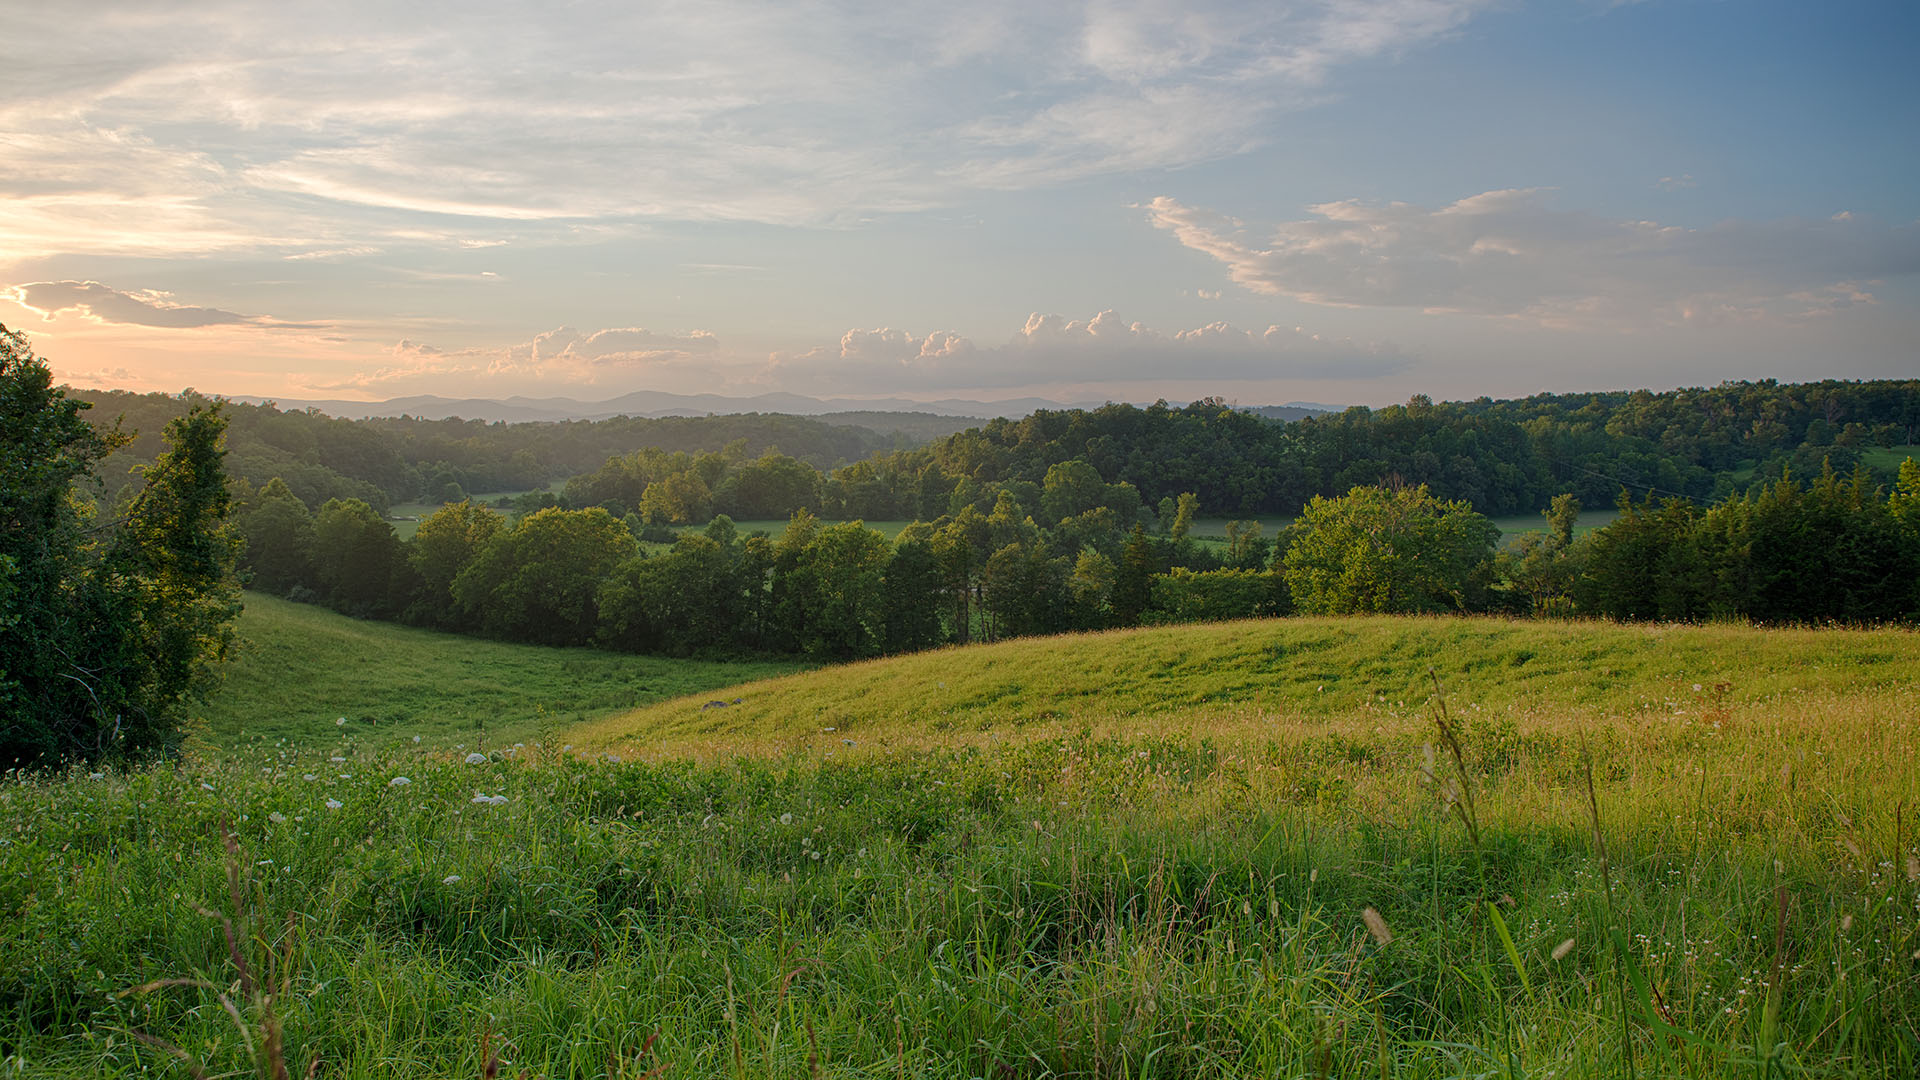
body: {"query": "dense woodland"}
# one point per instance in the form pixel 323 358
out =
pixel 1501 457
pixel 395 460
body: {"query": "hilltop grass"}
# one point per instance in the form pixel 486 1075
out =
pixel 1246 680
pixel 302 668
pixel 1139 854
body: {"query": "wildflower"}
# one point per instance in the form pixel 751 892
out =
pixel 450 879
pixel 277 818
pixel 786 819
pixel 476 758
pixel 488 800
pixel 342 722
pixel 334 804
pixel 1561 950
pixel 416 740
pixel 1376 925
pixel 399 781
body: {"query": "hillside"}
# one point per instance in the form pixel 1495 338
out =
pixel 1243 678
pixel 301 668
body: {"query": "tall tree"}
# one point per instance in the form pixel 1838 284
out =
pixel 108 629
pixel 278 530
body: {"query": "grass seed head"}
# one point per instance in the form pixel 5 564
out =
pixel 1376 925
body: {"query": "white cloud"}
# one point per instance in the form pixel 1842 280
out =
pixel 1052 348
pixel 562 356
pixel 1510 254
pixel 103 304
pixel 183 129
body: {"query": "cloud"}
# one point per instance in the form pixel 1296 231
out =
pixel 1510 254
pixel 102 304
pixel 1051 348
pixel 1676 183
pixel 563 355
pixel 336 128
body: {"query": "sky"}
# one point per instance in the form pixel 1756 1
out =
pixel 1344 202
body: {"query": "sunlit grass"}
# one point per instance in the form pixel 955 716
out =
pixel 1133 854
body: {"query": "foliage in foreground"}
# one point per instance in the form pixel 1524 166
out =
pixel 107 628
pixel 1065 904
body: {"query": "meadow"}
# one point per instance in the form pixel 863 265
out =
pixel 1302 847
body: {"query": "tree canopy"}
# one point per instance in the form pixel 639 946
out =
pixel 108 628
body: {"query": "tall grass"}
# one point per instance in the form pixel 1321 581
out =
pixel 1717 885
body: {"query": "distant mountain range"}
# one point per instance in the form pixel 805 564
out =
pixel 653 403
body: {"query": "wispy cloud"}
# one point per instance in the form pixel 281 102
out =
pixel 1511 254
pixel 185 129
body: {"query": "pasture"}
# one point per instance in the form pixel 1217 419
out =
pixel 1249 849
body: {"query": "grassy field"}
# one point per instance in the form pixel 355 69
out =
pixel 302 668
pixel 1250 849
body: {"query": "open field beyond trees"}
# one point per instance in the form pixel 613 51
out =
pixel 1243 849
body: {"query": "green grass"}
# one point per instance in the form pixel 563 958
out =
pixel 302 668
pixel 405 517
pixel 1135 854
pixel 1887 458
pixel 1295 672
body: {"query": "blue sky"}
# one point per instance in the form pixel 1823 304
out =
pixel 1347 202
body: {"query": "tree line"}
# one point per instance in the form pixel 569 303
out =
pixel 383 461
pixel 1501 457
pixel 1836 549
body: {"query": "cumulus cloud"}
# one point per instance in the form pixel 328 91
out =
pixel 1511 254
pixel 104 304
pixel 1055 348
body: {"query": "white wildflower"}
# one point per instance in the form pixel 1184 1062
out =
pixel 399 781
pixel 277 818
pixel 450 879
pixel 334 804
pixel 476 758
